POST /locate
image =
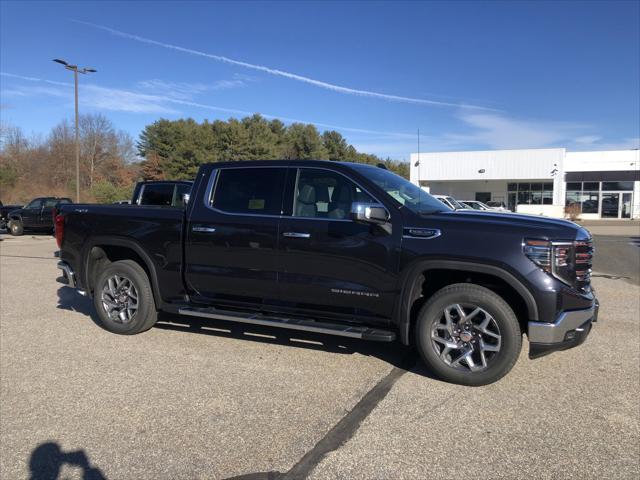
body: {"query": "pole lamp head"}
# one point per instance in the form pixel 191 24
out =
pixel 60 61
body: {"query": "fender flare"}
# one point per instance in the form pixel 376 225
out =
pixel 410 287
pixel 126 243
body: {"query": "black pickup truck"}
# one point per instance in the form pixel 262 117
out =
pixel 36 216
pixel 342 249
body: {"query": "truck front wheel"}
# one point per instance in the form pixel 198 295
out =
pixel 15 228
pixel 123 298
pixel 468 334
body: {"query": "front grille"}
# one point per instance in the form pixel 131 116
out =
pixel 584 257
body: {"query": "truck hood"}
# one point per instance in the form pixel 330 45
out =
pixel 530 225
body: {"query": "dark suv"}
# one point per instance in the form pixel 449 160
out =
pixel 342 249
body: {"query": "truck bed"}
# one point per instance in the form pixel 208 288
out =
pixel 154 233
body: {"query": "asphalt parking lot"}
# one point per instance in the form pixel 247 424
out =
pixel 213 400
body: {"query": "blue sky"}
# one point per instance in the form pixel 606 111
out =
pixel 477 75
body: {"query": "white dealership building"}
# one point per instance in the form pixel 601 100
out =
pixel 605 184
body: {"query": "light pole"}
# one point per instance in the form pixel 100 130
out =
pixel 75 70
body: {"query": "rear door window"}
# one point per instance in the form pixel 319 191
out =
pixel 250 190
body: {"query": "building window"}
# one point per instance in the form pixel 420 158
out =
pixel 585 194
pixel 624 186
pixel 530 194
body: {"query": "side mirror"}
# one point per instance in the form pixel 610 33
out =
pixel 369 213
pixel 185 198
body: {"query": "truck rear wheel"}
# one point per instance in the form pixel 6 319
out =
pixel 15 228
pixel 123 298
pixel 468 334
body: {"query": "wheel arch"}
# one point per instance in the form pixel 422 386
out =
pixel 101 251
pixel 456 271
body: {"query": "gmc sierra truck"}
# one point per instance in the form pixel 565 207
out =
pixel 341 249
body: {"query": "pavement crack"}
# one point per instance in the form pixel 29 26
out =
pixel 342 431
pixel 349 424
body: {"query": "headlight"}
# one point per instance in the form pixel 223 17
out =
pixel 559 260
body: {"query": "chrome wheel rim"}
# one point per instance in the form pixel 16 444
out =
pixel 466 337
pixel 119 299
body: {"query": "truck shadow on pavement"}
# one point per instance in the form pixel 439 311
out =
pixel 47 460
pixel 393 353
pixel 69 299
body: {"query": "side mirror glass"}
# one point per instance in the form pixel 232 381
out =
pixel 369 213
pixel 185 198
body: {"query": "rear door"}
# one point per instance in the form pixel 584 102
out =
pixel 331 264
pixel 232 235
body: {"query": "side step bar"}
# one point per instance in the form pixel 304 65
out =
pixel 364 333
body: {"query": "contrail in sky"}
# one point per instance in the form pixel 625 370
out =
pixel 128 96
pixel 282 73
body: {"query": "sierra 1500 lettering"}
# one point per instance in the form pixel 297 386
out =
pixel 342 249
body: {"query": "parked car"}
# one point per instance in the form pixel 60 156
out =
pixel 477 205
pixel 496 205
pixel 4 212
pixel 168 193
pixel 341 249
pixel 36 216
pixel 451 202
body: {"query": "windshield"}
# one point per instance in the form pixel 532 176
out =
pixel 405 192
pixel 474 205
pixel 456 204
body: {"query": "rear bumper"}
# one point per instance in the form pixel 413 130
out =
pixel 68 276
pixel 570 329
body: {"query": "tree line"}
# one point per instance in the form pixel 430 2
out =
pixel 46 165
pixel 176 148
pixel 111 162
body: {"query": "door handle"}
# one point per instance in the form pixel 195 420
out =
pixel 203 229
pixel 296 235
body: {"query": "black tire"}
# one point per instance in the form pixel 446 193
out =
pixel 504 322
pixel 144 317
pixel 15 228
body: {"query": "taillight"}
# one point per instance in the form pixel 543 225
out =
pixel 59 228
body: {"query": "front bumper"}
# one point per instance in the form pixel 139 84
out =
pixel 570 329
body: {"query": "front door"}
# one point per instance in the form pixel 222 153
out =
pixel 610 205
pixel 231 237
pixel 31 214
pixel 330 264
pixel 616 204
pixel 626 203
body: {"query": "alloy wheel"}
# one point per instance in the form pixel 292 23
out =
pixel 466 337
pixel 119 298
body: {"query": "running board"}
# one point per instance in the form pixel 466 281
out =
pixel 364 333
